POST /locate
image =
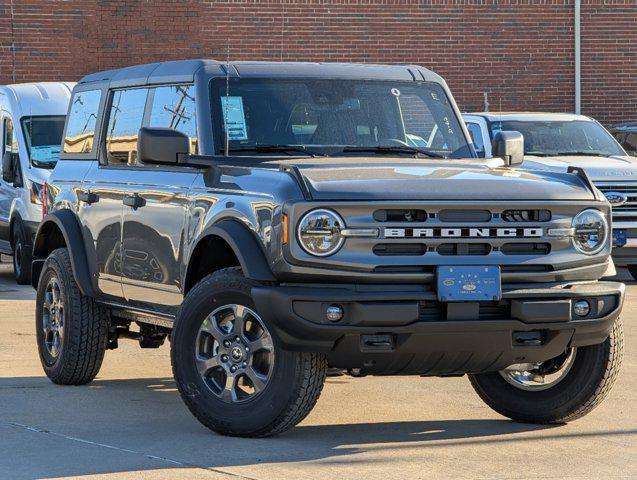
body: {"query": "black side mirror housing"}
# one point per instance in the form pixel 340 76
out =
pixel 161 146
pixel 509 146
pixel 8 167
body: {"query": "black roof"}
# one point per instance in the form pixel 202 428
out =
pixel 184 71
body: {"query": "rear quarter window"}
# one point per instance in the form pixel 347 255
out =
pixel 80 126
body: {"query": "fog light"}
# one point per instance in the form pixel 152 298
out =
pixel 581 308
pixel 334 313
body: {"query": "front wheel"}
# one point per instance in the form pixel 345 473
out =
pixel 229 368
pixel 559 390
pixel 21 256
pixel 632 269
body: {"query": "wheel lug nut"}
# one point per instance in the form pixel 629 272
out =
pixel 224 358
pixel 226 343
pixel 237 339
pixel 245 364
pixel 233 368
pixel 247 349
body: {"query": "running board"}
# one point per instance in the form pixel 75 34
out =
pixel 140 315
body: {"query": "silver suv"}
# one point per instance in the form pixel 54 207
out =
pixel 272 219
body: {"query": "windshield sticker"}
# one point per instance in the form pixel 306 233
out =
pixel 235 120
pixel 45 153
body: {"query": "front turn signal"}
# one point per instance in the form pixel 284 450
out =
pixel 285 229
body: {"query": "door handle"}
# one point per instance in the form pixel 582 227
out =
pixel 134 201
pixel 88 197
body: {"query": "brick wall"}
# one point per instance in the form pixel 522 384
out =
pixel 520 52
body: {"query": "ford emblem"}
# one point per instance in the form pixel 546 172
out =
pixel 616 199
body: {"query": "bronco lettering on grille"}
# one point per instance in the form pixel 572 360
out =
pixel 462 232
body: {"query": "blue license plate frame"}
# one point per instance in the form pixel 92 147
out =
pixel 460 283
pixel 619 237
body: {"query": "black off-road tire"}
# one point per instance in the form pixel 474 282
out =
pixel 85 326
pixel 291 392
pixel 632 269
pixel 21 256
pixel 587 383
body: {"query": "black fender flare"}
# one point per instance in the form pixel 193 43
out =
pixel 65 221
pixel 243 242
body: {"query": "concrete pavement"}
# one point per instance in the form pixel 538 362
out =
pixel 131 423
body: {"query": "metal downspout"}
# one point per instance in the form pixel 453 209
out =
pixel 578 57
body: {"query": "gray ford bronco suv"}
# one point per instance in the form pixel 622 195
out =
pixel 274 219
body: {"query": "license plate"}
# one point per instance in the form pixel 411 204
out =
pixel 619 238
pixel 469 283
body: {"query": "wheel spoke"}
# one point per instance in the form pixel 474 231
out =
pixel 211 327
pixel 258 380
pixel 55 294
pixel 240 315
pixel 264 342
pixel 205 364
pixel 229 393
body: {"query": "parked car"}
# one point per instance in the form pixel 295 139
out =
pixel 31 123
pixel 626 135
pixel 556 141
pixel 275 218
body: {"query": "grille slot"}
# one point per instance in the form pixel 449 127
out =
pixel 404 269
pixel 464 249
pixel 462 216
pixel 526 248
pixel 399 215
pixel 525 268
pixel 526 215
pixel 435 311
pixel 398 249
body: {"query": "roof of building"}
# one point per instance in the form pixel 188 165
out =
pixel 184 71
pixel 530 116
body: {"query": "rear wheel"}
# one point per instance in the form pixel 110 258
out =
pixel 559 390
pixel 21 255
pixel 228 365
pixel 632 269
pixel 71 329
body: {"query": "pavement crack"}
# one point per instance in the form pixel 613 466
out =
pixel 126 450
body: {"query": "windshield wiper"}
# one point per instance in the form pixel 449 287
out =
pixel 393 149
pixel 277 148
pixel 584 153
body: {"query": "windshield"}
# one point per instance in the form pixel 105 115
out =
pixel 328 117
pixel 577 137
pixel 43 138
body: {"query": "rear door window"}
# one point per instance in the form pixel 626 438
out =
pixel 80 127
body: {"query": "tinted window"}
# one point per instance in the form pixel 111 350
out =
pixel 174 107
pixel 476 135
pixel 43 138
pixel 80 128
pixel 628 141
pixel 578 137
pixel 329 114
pixel 124 122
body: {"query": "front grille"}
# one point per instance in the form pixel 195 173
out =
pixel 627 211
pixel 464 216
pixel 526 215
pixel 399 249
pixel 435 311
pixel 526 248
pixel 464 249
pixel 400 215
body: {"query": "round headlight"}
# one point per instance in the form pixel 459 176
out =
pixel 591 231
pixel 319 232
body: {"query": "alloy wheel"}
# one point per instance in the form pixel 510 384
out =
pixel 53 318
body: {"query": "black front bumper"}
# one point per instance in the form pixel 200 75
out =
pixel 403 329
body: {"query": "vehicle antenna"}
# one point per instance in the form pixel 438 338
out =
pixel 227 142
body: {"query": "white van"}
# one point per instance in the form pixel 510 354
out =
pixel 31 123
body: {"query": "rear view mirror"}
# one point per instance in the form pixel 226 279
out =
pixel 509 146
pixel 161 146
pixel 8 167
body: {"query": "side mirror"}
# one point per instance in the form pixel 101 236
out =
pixel 8 167
pixel 509 146
pixel 161 146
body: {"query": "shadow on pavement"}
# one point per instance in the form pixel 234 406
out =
pixel 131 425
